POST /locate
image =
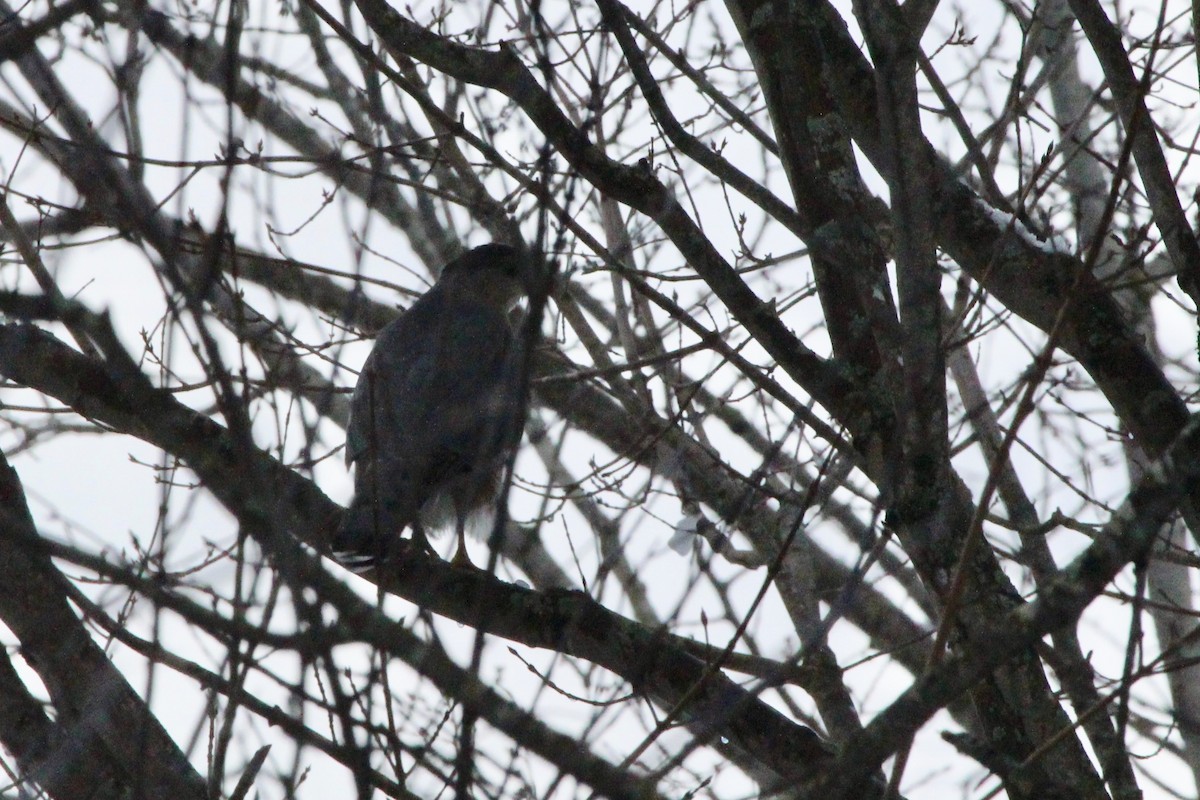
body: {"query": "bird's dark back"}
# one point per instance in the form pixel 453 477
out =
pixel 438 407
pixel 439 396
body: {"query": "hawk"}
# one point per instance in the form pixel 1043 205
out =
pixel 437 411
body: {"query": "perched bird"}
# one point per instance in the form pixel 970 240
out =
pixel 437 410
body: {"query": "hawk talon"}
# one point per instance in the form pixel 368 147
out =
pixel 462 557
pixel 462 560
pixel 420 540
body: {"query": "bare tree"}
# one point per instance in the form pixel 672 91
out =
pixel 858 459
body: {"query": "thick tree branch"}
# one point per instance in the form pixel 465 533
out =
pixel 1130 94
pixel 1027 276
pixel 1125 540
pixel 103 729
pixel 565 621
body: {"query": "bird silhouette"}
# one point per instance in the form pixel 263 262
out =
pixel 437 410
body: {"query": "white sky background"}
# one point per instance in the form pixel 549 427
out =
pixel 97 491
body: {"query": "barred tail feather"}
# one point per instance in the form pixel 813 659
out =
pixel 365 536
